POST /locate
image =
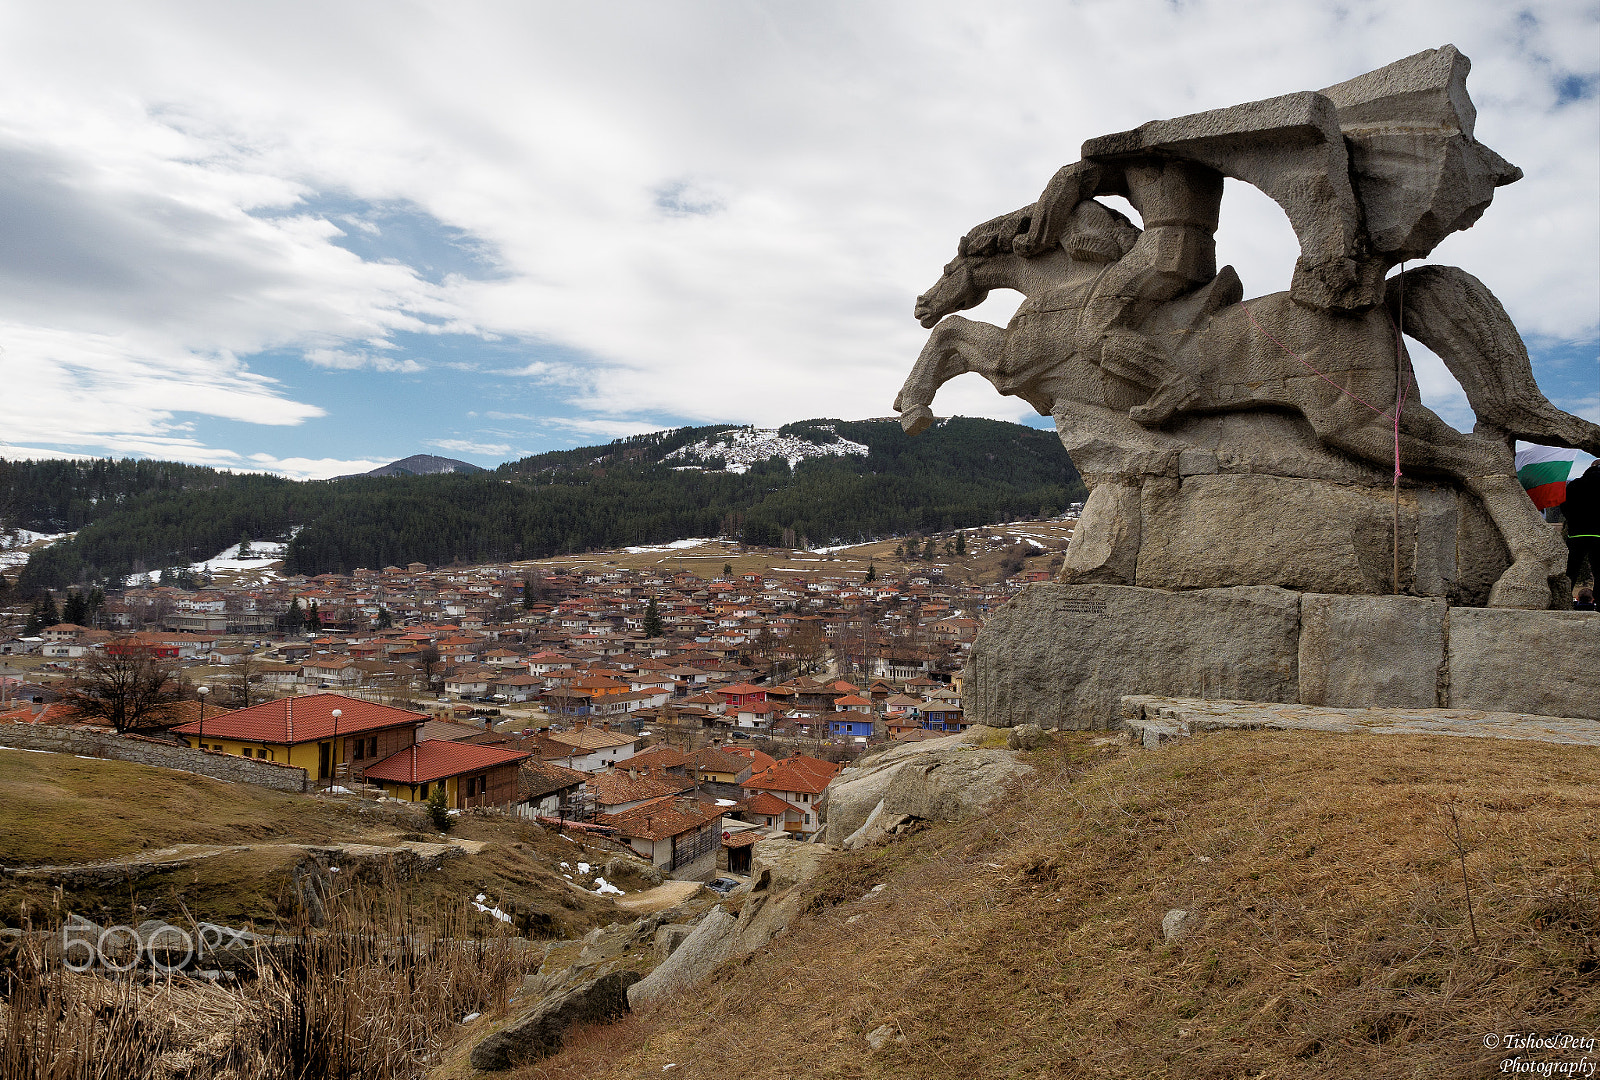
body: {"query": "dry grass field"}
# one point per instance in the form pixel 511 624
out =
pixel 708 557
pixel 64 811
pixel 1330 935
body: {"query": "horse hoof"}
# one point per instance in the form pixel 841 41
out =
pixel 1145 416
pixel 1526 585
pixel 918 420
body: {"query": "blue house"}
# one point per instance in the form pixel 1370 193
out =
pixel 857 725
pixel 941 717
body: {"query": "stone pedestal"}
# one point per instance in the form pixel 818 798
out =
pixel 1260 503
pixel 1063 655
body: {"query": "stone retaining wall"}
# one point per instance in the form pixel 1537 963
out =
pixel 142 751
pixel 1064 655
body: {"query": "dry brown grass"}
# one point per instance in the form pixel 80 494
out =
pixel 1330 934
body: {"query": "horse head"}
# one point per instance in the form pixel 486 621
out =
pixel 956 290
pixel 960 286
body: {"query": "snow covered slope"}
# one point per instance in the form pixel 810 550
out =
pixel 743 447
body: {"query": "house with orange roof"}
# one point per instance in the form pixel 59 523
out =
pixel 680 836
pixel 469 773
pixel 304 732
pixel 798 780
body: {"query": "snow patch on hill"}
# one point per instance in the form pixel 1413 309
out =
pixel 745 446
pixel 16 546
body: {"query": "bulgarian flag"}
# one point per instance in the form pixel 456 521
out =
pixel 1544 472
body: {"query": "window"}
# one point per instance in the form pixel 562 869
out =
pixel 360 750
pixel 372 746
pixel 424 790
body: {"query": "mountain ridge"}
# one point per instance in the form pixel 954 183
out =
pixel 817 484
pixel 421 465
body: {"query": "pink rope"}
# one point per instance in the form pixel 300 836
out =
pixel 1400 391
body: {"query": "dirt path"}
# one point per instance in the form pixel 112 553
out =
pixel 670 894
pixel 181 855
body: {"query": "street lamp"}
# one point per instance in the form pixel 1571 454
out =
pixel 203 691
pixel 334 772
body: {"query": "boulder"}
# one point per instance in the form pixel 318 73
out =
pixel 538 1032
pixel 1024 737
pixel 705 948
pixel 780 870
pixel 935 781
pixel 669 937
pixel 621 866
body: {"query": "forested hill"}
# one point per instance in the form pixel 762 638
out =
pixel 829 480
pixel 55 495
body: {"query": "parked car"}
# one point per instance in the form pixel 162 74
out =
pixel 722 885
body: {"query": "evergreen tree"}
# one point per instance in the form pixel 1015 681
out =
pixel 527 594
pixel 295 618
pixel 313 618
pixel 872 571
pixel 76 609
pixel 244 545
pixel 385 620
pixel 97 600
pixel 438 809
pixel 927 550
pixel 652 620
pixel 961 544
pixel 727 569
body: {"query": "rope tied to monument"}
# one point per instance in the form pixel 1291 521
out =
pixel 1392 415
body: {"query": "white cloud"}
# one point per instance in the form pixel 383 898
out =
pixel 721 214
pixel 463 446
pixel 301 468
pixel 598 429
pixel 354 361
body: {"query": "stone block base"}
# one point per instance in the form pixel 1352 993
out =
pixel 1064 655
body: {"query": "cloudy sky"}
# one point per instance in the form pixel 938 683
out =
pixel 312 238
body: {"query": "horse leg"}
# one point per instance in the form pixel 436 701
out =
pixel 955 347
pixel 1455 315
pixel 1482 466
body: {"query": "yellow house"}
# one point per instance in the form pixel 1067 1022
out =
pixel 330 736
pixel 470 774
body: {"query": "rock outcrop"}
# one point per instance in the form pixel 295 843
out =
pixel 539 1032
pixel 780 870
pixel 940 780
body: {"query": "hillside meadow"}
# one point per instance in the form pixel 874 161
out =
pixel 1330 930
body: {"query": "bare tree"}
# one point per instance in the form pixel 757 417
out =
pixel 128 687
pixel 432 667
pixel 237 683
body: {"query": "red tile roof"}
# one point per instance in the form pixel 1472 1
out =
pixel 660 818
pixel 303 719
pixel 766 804
pixel 797 773
pixel 437 759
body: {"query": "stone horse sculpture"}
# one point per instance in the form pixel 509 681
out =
pixel 1130 337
